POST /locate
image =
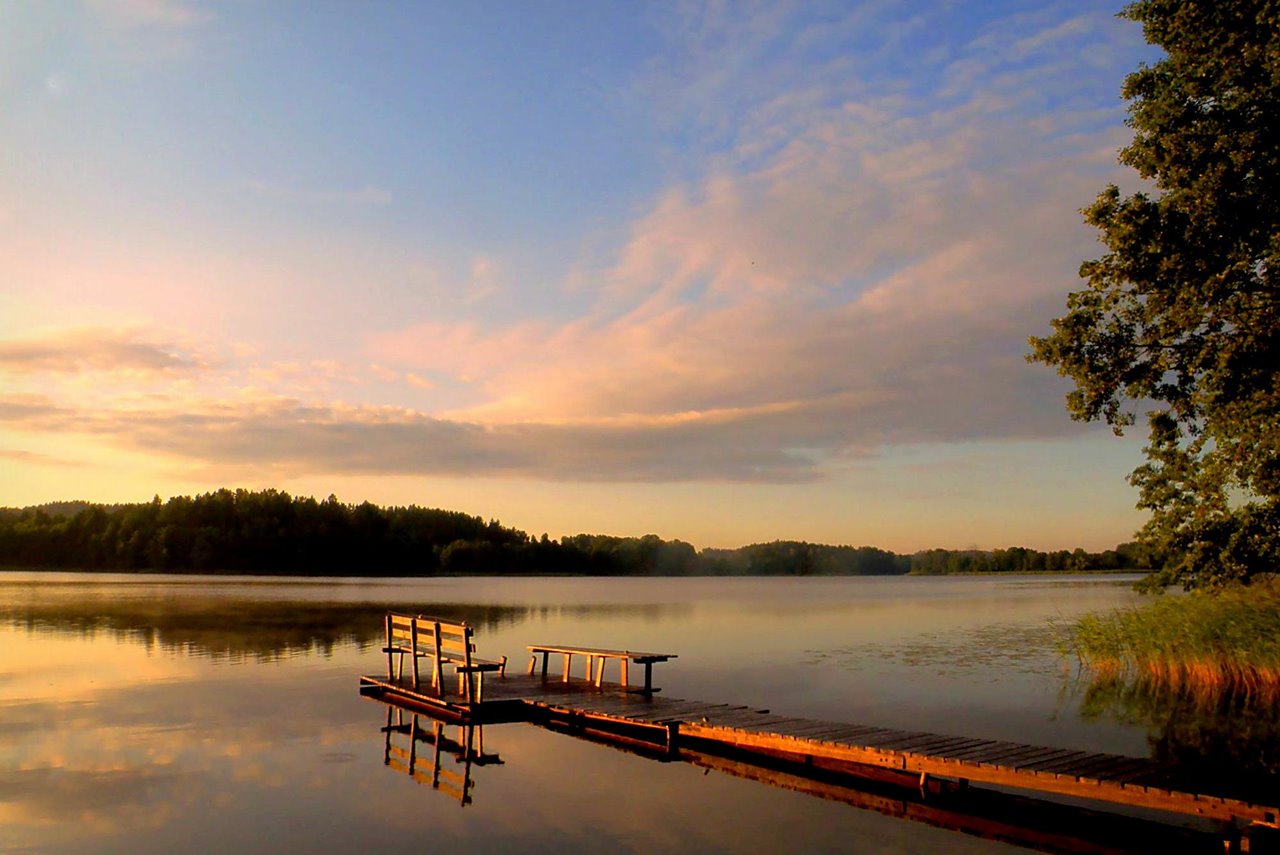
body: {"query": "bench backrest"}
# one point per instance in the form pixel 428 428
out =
pixel 441 638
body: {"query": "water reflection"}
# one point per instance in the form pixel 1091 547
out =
pixel 241 628
pixel 156 711
pixel 466 750
pixel 1231 738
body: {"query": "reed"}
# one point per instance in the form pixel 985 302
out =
pixel 1223 641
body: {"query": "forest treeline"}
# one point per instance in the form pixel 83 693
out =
pixel 271 532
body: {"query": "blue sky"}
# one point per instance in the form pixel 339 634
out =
pixel 725 272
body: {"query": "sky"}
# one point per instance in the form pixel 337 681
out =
pixel 724 272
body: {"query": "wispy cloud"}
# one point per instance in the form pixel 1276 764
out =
pixel 285 436
pixel 880 259
pixel 95 349
pixel 21 456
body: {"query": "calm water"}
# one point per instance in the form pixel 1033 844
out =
pixel 143 713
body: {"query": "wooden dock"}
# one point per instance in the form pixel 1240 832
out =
pixel 931 760
pixel 974 811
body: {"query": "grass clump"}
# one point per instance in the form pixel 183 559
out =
pixel 1226 640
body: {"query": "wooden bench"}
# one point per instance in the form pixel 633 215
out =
pixel 444 642
pixel 595 658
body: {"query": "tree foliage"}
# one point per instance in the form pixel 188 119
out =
pixel 273 533
pixel 1182 310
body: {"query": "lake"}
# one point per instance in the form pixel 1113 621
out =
pixel 143 713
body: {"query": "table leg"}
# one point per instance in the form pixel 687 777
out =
pixel 568 657
pixel 545 656
pixel 624 674
pixel 648 678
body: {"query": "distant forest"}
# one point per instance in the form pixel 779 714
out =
pixel 271 532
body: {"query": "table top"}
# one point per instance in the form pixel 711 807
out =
pixel 634 655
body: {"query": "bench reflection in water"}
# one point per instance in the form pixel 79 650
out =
pixel 428 747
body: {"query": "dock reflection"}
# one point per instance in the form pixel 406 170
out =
pixel 434 758
pixel 464 751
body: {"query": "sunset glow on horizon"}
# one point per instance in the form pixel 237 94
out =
pixel 728 273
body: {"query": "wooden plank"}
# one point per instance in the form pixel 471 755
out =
pixel 620 711
pixel 437 677
pixel 679 712
pixel 1120 767
pixel 601 706
pixel 612 653
pixel 808 730
pixel 390 668
pixel 861 735
pixel 1087 767
pixel 773 723
pixel 945 750
pixel 1010 758
pixel 876 738
pixel 753 720
pixel 983 750
pixel 853 732
pixel 734 719
pixel 667 711
pixel 1048 755
pixel 413 642
pixel 828 734
pixel 1063 766
pixel 922 743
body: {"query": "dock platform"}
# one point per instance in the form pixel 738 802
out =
pixel 931 759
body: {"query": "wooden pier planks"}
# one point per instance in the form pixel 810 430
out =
pixel 1106 777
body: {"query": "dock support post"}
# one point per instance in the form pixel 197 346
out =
pixel 673 736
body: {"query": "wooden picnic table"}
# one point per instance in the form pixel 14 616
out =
pixel 596 657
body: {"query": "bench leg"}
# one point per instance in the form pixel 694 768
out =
pixel 568 658
pixel 625 663
pixel 533 660
pixel 413 644
pixel 390 671
pixel 648 678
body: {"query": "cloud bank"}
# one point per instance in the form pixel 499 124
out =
pixel 848 258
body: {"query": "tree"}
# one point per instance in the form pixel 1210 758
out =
pixel 1182 309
